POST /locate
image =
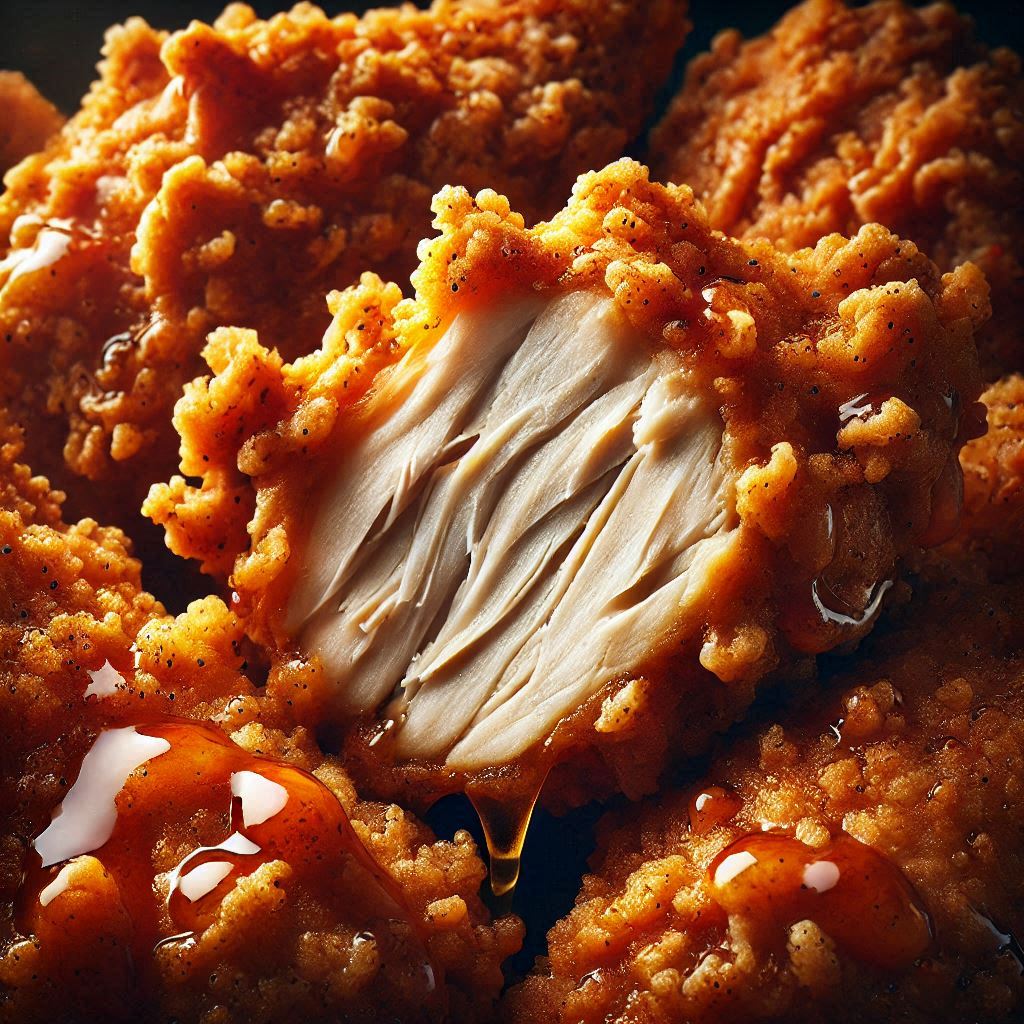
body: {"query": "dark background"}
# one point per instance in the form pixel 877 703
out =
pixel 56 42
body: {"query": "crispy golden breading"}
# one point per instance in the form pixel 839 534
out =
pixel 843 116
pixel 846 380
pixel 916 750
pixel 27 119
pixel 992 534
pixel 232 175
pixel 274 946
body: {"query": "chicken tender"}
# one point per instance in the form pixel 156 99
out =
pixel 27 119
pixel 166 851
pixel 858 860
pixel 600 477
pixel 842 116
pixel 232 175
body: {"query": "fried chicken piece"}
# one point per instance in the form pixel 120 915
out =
pixel 185 812
pixel 27 119
pixel 590 486
pixel 843 116
pixel 860 859
pixel 232 175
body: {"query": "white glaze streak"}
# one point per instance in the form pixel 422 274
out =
pixel 261 798
pixel 86 818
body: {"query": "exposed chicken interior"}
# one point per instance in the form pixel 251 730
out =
pixel 521 512
pixel 586 489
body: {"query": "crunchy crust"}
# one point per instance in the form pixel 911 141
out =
pixel 233 174
pixel 73 600
pixel 927 773
pixel 810 331
pixel 843 116
pixel 992 536
pixel 27 119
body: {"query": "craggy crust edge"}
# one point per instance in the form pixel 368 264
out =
pixel 841 116
pixel 991 540
pixel 27 119
pixel 233 174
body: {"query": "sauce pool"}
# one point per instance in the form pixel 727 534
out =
pixel 857 896
pixel 176 815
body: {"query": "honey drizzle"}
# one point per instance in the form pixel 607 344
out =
pixel 505 811
pixel 711 807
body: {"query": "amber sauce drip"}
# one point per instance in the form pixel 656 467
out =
pixel 856 895
pixel 712 806
pixel 505 809
pixel 225 813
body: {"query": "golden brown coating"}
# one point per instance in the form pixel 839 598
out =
pixel 232 175
pixel 86 654
pixel 842 116
pixel 915 751
pixel 27 119
pixel 845 376
pixel 992 534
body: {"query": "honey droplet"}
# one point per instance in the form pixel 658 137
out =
pixel 939 743
pixel 381 731
pixel 51 245
pixel 856 895
pixel 202 879
pixel 594 977
pixel 712 806
pixel 115 348
pixel 505 811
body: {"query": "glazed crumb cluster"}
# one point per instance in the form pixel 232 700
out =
pixel 842 116
pixel 845 374
pixel 72 603
pixel 231 175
